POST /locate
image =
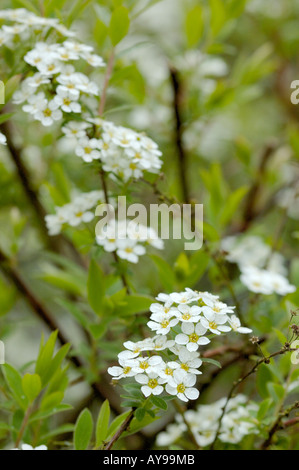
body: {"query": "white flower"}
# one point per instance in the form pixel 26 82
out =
pixel 37 80
pixel 87 149
pixel 192 336
pixel 2 139
pixel 184 297
pixel 217 307
pixel 126 369
pixel 167 369
pixel 94 60
pixel 215 323
pixel 160 343
pixel 65 99
pixel 74 213
pixel 162 323
pixel 181 385
pixel 265 282
pixel 235 324
pixel 47 112
pixel 190 361
pixel 170 436
pixel 140 346
pixel 148 364
pixel 185 313
pixel 151 384
pixel 162 309
pixel 129 250
pixel 75 129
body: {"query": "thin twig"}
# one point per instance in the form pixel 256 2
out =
pixel 264 360
pixel 177 105
pixel 124 427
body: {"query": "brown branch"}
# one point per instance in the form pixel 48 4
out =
pixel 263 360
pixel 278 425
pixel 56 243
pixel 106 83
pixel 102 389
pixel 177 108
pixel 124 427
pixel 250 211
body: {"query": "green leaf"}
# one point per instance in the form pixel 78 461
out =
pixel 83 430
pixel 140 414
pixel 166 274
pixel 102 423
pixel 137 425
pixel 218 16
pixel 32 385
pixel 14 382
pixel 52 400
pixel 5 117
pixel 194 25
pixel 276 391
pixel 96 287
pixel 40 415
pixel 116 423
pixel 100 32
pixel 212 361
pixel 159 403
pixel 134 304
pixel 264 408
pixel 119 25
pixel 232 203
pixel 264 376
pixel 63 429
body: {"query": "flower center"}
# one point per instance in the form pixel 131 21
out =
pixel 127 370
pixel 185 367
pixel 168 371
pixel 186 316
pixel 144 365
pixel 47 112
pixel 87 150
pixel 193 338
pixel 213 325
pixel 153 383
pixel 164 323
pixel 181 388
pixel 66 101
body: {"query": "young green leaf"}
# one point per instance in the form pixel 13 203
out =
pixel 32 385
pixel 102 423
pixel 83 430
pixel 119 25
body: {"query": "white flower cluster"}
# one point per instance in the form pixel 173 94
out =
pixel 55 87
pixel 237 423
pixel 25 24
pixel 123 152
pixel 75 212
pixel 187 317
pixel 262 271
pixel 128 239
pixel 2 139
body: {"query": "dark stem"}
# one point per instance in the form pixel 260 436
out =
pixel 124 427
pixel 177 108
